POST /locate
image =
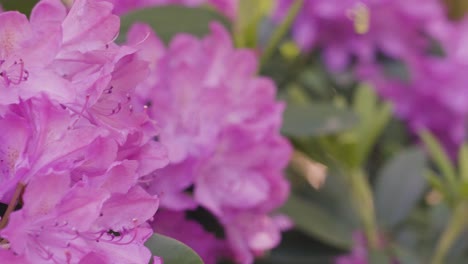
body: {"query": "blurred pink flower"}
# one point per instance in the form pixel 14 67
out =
pixel 220 123
pixel 72 140
pixel 347 29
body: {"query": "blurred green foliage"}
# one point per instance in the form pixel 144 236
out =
pixel 170 20
pixel 171 250
pixel 24 6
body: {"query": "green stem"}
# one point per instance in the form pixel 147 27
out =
pixel 364 203
pixel 281 31
pixel 455 227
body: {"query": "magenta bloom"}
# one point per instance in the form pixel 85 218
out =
pixel 62 223
pixel 220 123
pixel 88 127
pixel 73 149
pixel 344 29
pixel 435 96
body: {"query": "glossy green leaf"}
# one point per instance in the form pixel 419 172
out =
pixel 167 21
pixel 399 186
pixel 172 251
pixel 313 220
pixel 316 120
pixel 23 6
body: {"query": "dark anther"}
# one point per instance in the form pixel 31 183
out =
pixel 114 233
pixel 109 90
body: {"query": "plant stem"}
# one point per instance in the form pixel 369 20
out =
pixel 454 228
pixel 364 202
pixel 11 206
pixel 281 31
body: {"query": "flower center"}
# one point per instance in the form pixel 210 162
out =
pixel 14 73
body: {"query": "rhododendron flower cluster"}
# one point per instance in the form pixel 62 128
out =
pixel 89 128
pixel 361 29
pixel 220 124
pixel 365 31
pixel 72 149
pixel 434 97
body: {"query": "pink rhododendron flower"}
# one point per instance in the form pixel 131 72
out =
pixel 63 224
pixel 89 127
pixel 25 57
pixel 73 150
pixel 434 97
pixel 220 123
pixel 38 137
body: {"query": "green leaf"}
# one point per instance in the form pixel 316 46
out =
pixel 399 186
pixel 440 157
pixel 378 257
pixel 463 162
pixel 313 220
pixel 170 20
pixel 23 6
pixel 435 182
pixel 248 21
pixel 365 101
pixel 172 251
pixel 463 190
pixel 373 118
pixel 316 120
